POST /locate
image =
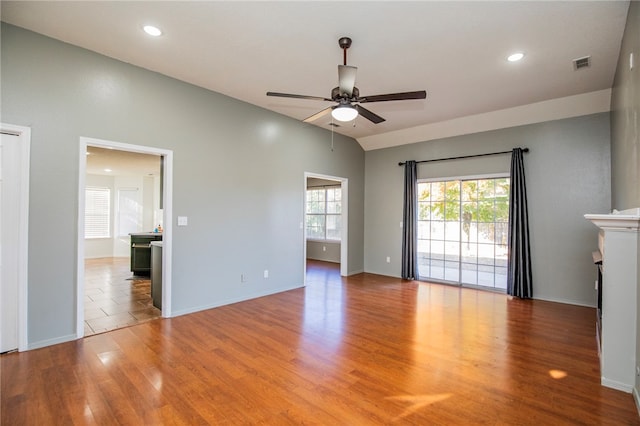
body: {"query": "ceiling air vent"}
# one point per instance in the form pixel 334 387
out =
pixel 584 62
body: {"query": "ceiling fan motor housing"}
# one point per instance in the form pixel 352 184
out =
pixel 337 96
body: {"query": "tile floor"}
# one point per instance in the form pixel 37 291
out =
pixel 114 297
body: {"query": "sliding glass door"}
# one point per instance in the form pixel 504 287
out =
pixel 462 231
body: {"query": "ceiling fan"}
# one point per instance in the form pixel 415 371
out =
pixel 347 96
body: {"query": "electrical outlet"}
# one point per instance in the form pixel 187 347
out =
pixel 388 259
pixel 243 278
pixel 324 248
pixel 266 273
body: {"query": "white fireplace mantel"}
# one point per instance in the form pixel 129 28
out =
pixel 620 269
pixel 620 220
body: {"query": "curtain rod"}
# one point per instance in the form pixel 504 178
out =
pixel 465 156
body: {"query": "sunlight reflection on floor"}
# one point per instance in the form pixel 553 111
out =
pixel 418 402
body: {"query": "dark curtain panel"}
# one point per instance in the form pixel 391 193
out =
pixel 409 223
pixel 519 279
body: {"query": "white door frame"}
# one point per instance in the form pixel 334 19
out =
pixel 344 237
pixel 167 232
pixel 24 135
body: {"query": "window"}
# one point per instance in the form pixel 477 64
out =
pixel 97 211
pixel 462 231
pixel 129 211
pixel 324 213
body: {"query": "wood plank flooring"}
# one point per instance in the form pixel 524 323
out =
pixel 362 350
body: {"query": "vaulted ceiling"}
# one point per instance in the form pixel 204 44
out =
pixel 454 50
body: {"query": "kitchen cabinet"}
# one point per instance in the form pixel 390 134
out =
pixel 141 251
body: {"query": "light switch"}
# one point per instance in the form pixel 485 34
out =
pixel 182 221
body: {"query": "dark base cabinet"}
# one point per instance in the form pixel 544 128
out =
pixel 156 274
pixel 141 252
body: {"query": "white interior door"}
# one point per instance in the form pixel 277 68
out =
pixel 9 241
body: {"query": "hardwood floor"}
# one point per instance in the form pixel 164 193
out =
pixel 114 297
pixel 361 350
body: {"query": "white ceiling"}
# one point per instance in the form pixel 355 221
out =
pixel 113 162
pixel 454 50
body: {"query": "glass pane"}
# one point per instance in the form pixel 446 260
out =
pixel 452 231
pixel 424 230
pixel 501 233
pixel 470 190
pixel 470 253
pixel 423 268
pixel 502 188
pixel 437 210
pixel 486 189
pixel 423 210
pixel 470 232
pixel 485 254
pixel 437 191
pixel 437 249
pixel 452 251
pixel 502 210
pixel 437 269
pixel 334 200
pixel 501 255
pixel 334 225
pixel 424 191
pixel 485 275
pixel 451 271
pixel 469 273
pixel 485 211
pixel 452 210
pixel 452 190
pixel 437 230
pixel 485 232
pixel 423 248
pixel 469 211
pixel 315 226
pixel 501 278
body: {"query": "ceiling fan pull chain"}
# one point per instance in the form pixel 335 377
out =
pixel 332 126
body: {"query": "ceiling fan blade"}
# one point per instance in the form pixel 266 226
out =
pixel 318 115
pixel 347 78
pixel 289 95
pixel 421 94
pixel 374 118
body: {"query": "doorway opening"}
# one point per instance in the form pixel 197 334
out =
pixel 326 220
pixel 124 208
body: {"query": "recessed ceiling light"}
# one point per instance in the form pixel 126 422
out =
pixel 515 57
pixel 151 30
pixel 108 170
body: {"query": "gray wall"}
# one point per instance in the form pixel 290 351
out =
pixel 567 174
pixel 625 137
pixel 323 250
pixel 238 176
pixel 625 119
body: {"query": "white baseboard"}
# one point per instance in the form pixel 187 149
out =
pixel 49 342
pixel 614 384
pixel 636 398
pixel 177 313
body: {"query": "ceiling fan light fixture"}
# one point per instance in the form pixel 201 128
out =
pixel 515 57
pixel 152 31
pixel 344 113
